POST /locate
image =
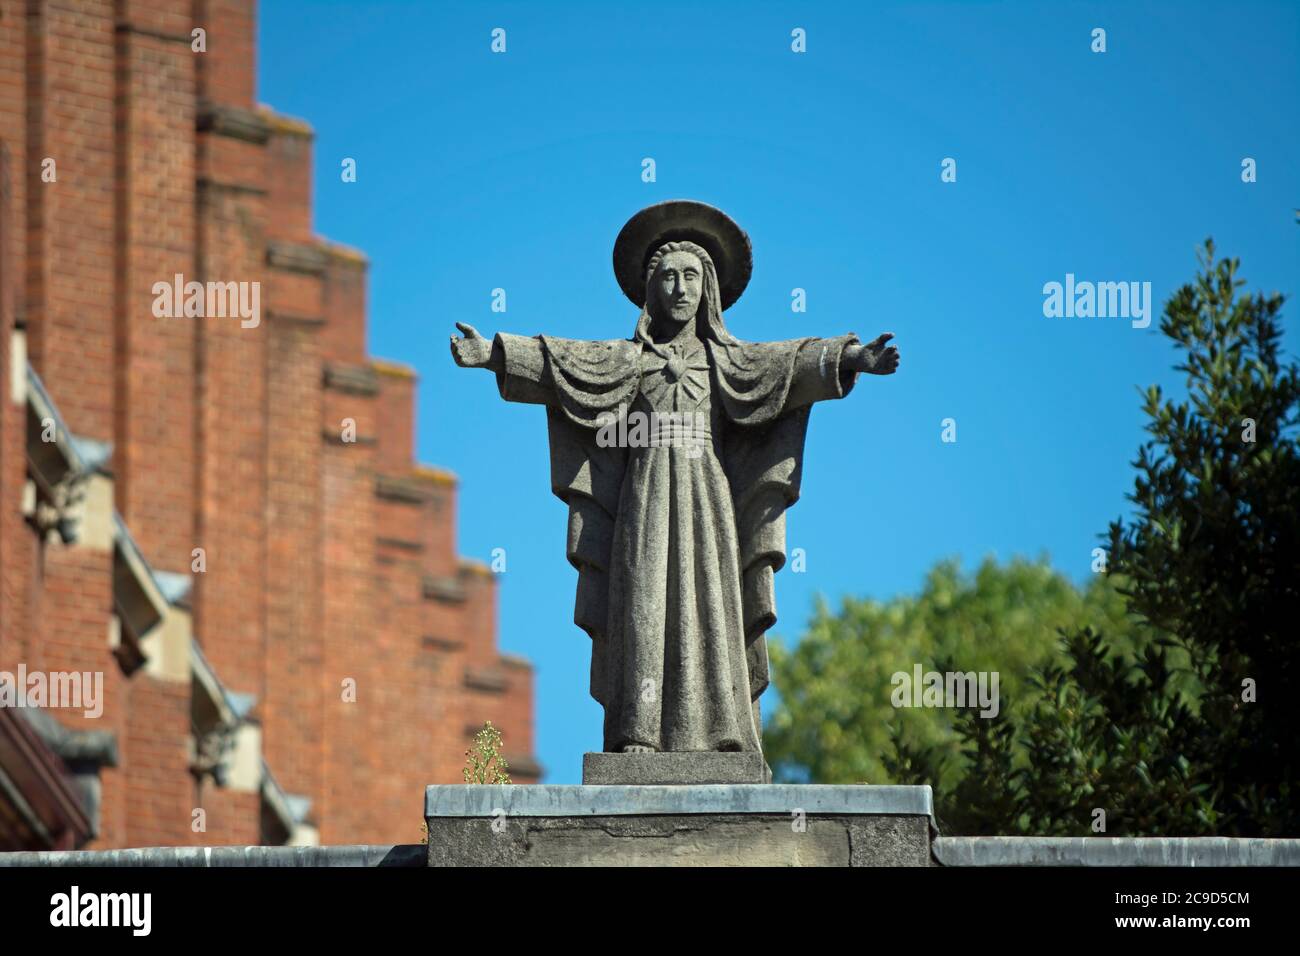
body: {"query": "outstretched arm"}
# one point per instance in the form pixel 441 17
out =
pixel 874 358
pixel 518 362
pixel 828 368
pixel 474 351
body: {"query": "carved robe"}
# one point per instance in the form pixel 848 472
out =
pixel 676 546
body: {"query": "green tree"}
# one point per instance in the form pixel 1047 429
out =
pixel 1213 551
pixel 1194 733
pixel 835 720
pixel 1161 695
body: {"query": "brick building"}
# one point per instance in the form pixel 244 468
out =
pixel 220 514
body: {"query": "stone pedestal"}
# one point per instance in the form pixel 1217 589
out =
pixel 695 825
pixel 662 769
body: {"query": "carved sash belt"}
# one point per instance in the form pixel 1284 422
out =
pixel 684 429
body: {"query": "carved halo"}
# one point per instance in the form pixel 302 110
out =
pixel 675 220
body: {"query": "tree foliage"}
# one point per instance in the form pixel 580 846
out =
pixel 1175 718
pixel 835 719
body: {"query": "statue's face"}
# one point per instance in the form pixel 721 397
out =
pixel 679 283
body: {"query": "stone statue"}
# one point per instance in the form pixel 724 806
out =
pixel 676 527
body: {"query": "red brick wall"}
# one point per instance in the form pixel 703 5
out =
pixel 160 794
pixel 71 72
pixel 15 551
pixel 15 558
pixel 232 447
pixel 326 560
pixel 352 621
pixel 345 310
pixel 293 709
pixel 155 237
pixel 231 47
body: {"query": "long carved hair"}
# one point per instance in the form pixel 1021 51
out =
pixel 708 319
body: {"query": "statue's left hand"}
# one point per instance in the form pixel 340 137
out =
pixel 875 358
pixel 472 351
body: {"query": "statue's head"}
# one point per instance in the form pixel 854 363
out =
pixel 675 285
pixel 681 261
pixel 681 286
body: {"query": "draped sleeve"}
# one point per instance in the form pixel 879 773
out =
pixel 759 381
pixel 579 380
pixel 523 376
pixel 767 390
pixel 819 373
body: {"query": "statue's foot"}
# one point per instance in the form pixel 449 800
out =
pixel 637 749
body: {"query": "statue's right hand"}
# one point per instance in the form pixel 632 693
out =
pixel 472 351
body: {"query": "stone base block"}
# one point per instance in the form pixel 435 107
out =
pixel 701 825
pixel 662 769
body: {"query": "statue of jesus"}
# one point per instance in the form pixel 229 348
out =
pixel 676 533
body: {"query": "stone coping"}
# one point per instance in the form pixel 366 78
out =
pixel 1114 851
pixel 554 800
pixel 948 851
pixel 407 855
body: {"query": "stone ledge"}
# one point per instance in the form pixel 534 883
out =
pixel 442 588
pixel 486 679
pixel 566 800
pixel 402 855
pixel 304 257
pixel 133 30
pixel 352 379
pixel 436 643
pixel 400 488
pixel 848 830
pixel 705 825
pixel 232 121
pixel 681 840
pixel 284 124
pixel 336 438
pixel 1114 851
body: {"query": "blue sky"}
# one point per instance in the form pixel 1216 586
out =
pixel 478 170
